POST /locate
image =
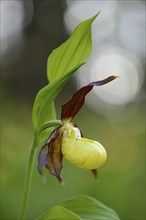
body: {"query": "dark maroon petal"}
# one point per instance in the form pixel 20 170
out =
pixel 72 107
pixel 54 164
pixel 54 155
pixel 43 157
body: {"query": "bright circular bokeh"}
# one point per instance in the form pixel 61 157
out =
pixel 132 28
pixel 15 16
pixel 78 11
pixel 112 61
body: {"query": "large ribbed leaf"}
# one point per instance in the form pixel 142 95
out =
pixel 89 208
pixel 81 207
pixel 62 63
pixel 58 213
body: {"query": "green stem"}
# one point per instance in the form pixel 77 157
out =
pixel 28 178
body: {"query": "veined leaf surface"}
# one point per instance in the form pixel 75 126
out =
pixel 81 207
pixel 89 208
pixel 58 213
pixel 74 52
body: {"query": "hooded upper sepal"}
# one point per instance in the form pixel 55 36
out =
pixel 72 107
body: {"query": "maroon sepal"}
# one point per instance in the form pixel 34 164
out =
pixel 72 107
pixel 53 159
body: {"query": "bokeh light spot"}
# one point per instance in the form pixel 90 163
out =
pixel 113 61
pixel 78 11
pixel 15 16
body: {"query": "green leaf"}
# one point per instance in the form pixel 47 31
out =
pixel 62 63
pixel 59 213
pixel 74 52
pixel 52 123
pixel 89 208
pixel 42 134
pixel 44 99
pixel 80 207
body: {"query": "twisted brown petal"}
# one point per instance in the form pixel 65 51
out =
pixel 42 157
pixel 72 107
pixel 53 159
pixel 54 164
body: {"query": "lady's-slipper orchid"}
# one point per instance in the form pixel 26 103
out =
pixel 68 141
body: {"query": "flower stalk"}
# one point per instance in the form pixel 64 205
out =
pixel 28 179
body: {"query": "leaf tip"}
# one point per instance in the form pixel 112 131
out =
pixel 95 16
pixel 97 13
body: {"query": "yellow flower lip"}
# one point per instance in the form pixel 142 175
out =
pixel 67 141
pixel 82 152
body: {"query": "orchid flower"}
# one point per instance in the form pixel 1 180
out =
pixel 67 140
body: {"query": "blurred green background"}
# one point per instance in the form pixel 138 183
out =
pixel 25 48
